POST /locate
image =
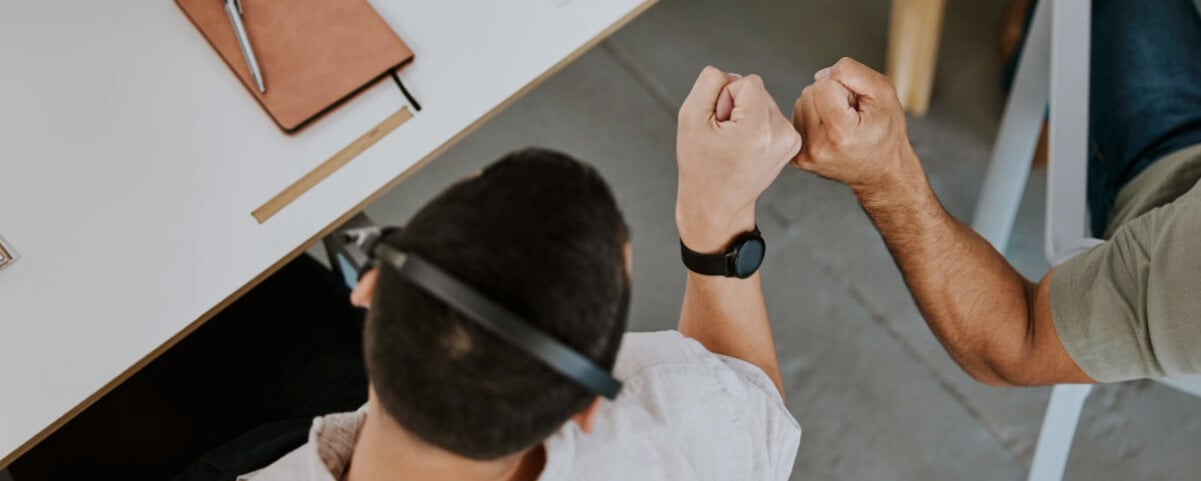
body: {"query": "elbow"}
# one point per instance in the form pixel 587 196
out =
pixel 991 377
pixel 1006 357
pixel 986 374
pixel 997 367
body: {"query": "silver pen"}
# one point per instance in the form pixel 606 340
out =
pixel 234 9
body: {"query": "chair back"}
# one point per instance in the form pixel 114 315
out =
pixel 1067 222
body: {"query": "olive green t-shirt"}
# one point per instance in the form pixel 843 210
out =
pixel 1131 307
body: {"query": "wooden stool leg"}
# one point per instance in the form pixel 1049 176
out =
pixel 913 50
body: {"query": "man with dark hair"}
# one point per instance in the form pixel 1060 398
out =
pixel 540 234
pixel 446 379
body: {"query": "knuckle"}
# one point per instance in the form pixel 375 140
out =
pixel 710 75
pixel 885 81
pixel 798 120
pixel 841 65
pixel 753 80
pixel 885 84
pixel 786 131
pixel 795 142
pixel 825 84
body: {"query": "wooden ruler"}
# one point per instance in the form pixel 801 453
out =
pixel 7 256
pixel 331 165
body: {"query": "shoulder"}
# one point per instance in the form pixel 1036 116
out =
pixel 667 360
pixel 296 465
pixel 643 350
pixel 1126 309
pixel 686 413
pixel 324 457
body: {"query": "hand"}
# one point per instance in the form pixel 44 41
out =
pixel 854 128
pixel 732 143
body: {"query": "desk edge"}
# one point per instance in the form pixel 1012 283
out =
pixel 108 387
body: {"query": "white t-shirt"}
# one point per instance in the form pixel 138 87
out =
pixel 684 413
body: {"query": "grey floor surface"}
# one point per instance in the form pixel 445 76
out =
pixel 876 395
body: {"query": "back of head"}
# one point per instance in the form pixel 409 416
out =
pixel 537 232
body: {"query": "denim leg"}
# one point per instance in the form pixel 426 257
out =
pixel 1145 92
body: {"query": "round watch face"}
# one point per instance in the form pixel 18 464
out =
pixel 749 257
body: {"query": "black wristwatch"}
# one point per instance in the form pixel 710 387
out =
pixel 741 259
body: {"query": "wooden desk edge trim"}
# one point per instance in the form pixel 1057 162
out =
pixel 331 165
pixel 64 419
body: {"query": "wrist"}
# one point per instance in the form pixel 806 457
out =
pixel 905 184
pixel 902 200
pixel 710 230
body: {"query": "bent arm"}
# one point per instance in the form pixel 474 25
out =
pixel 727 315
pixel 996 324
pixel 732 143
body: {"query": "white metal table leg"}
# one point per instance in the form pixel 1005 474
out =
pixel 1188 384
pixel 1067 173
pixel 1058 431
pixel 1018 137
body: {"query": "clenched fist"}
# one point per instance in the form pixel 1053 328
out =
pixel 732 143
pixel 854 128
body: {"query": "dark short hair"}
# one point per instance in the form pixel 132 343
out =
pixel 538 232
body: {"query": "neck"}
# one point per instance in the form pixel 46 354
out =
pixel 386 452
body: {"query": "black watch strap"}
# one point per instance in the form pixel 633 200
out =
pixel 719 264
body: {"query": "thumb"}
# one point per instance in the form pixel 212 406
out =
pixel 725 102
pixel 858 78
pixel 702 101
pixel 798 123
pixel 835 103
pixel 806 119
pixel 751 99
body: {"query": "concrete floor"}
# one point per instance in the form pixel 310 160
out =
pixel 876 395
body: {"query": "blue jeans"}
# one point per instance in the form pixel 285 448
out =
pixel 1145 92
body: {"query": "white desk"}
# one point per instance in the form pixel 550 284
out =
pixel 132 159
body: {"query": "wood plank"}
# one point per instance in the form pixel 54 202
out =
pixel 913 40
pixel 7 255
pixel 331 165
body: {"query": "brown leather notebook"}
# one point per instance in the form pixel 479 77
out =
pixel 313 54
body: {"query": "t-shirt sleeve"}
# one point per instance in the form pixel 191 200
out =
pixel 776 428
pixel 725 414
pixel 1131 307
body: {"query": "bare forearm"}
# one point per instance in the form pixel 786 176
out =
pixel 731 144
pixel 997 325
pixel 728 317
pixel 974 301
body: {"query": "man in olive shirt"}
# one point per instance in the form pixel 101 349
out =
pixel 1129 308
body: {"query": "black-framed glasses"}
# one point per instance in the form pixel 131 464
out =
pixel 355 251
